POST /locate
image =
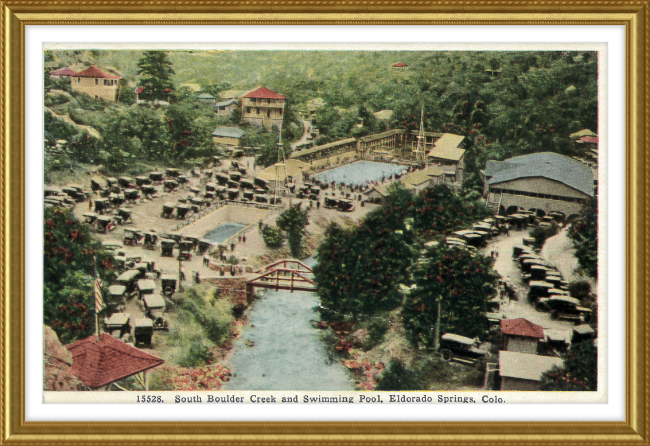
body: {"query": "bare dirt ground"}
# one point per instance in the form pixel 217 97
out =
pixel 508 268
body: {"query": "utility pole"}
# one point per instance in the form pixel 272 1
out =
pixel 180 271
pixel 279 164
pixel 436 329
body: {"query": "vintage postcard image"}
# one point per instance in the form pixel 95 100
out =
pixel 323 225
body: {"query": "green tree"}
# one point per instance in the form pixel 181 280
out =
pixel 293 221
pixel 584 233
pixel 69 273
pixel 156 72
pixel 579 371
pixel 359 269
pixel 273 237
pixel 188 135
pixel 461 282
pixel 397 377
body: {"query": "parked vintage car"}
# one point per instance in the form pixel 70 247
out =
pixel 118 325
pixel 168 283
pixel 143 332
pixel 154 308
pixel 460 348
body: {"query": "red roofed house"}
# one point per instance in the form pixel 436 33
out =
pixel 94 82
pixel 521 335
pixel 62 72
pixel 399 65
pixel 263 107
pixel 98 364
pixel 588 142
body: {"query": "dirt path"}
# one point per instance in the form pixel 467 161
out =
pixel 508 269
pixel 560 252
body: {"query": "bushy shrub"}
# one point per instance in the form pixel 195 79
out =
pixel 377 328
pixel 542 234
pixel 213 315
pixel 398 377
pixel 196 356
pixel 584 233
pixel 273 237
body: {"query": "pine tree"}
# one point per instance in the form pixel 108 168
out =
pixel 293 221
pixel 156 70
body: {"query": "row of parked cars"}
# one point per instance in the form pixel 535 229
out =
pixel 547 288
pixel 137 279
pixel 65 197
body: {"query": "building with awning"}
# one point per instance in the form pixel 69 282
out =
pixel 101 363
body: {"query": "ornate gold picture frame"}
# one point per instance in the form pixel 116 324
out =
pixel 17 15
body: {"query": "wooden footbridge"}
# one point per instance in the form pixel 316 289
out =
pixel 286 274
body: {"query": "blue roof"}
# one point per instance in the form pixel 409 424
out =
pixel 231 132
pixel 549 165
pixel 228 102
pixel 205 96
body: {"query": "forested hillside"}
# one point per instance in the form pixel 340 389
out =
pixel 530 102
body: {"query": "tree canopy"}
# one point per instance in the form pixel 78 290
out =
pixel 156 71
pixel 579 371
pixel 584 233
pixel 462 282
pixel 69 273
pixel 293 221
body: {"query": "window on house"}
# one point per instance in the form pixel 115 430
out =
pixel 96 81
pixel 78 80
pixel 258 111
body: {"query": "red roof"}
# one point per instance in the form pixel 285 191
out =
pixel 590 139
pixel 139 90
pixel 264 93
pixel 98 364
pixel 521 327
pixel 95 72
pixel 63 72
pixel 399 65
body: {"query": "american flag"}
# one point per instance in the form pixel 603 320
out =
pixel 99 302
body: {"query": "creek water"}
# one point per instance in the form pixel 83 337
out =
pixel 281 350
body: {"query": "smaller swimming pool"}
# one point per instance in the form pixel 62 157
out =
pixel 223 232
pixel 360 172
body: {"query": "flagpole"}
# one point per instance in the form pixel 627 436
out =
pixel 95 296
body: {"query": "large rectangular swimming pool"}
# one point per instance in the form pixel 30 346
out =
pixel 360 173
pixel 223 232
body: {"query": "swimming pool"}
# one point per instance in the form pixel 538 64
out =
pixel 223 232
pixel 360 172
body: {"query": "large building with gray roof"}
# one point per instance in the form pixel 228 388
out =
pixel 542 181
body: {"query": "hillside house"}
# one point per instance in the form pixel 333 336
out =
pixel 228 136
pixel 206 98
pixel 447 151
pixel 523 371
pixel 399 66
pixel 521 335
pixel 263 107
pixel 96 83
pixel 62 72
pixel 542 182
pixel 225 108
